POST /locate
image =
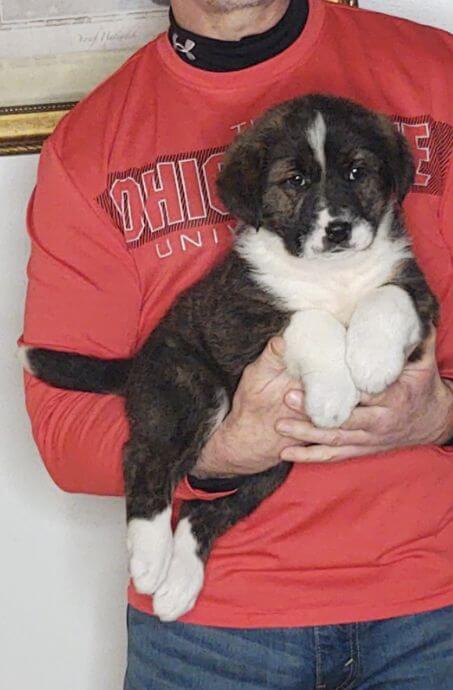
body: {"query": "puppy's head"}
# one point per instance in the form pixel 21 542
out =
pixel 318 171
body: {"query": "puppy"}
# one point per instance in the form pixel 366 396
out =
pixel 321 256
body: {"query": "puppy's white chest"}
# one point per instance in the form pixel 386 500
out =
pixel 335 291
pixel 335 285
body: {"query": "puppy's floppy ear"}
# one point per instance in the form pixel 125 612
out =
pixel 399 157
pixel 242 178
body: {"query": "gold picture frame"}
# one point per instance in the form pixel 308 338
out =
pixel 24 128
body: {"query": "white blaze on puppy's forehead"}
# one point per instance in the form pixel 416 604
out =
pixel 316 136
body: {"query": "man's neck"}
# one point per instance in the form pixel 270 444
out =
pixel 200 18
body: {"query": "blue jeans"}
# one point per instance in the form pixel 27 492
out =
pixel 407 653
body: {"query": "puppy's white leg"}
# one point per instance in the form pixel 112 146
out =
pixel 150 545
pixel 383 330
pixel 179 591
pixel 315 352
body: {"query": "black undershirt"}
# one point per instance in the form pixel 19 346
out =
pixel 213 55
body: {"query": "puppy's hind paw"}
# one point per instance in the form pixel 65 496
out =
pixel 179 591
pixel 150 545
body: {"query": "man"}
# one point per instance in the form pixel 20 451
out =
pixel 343 578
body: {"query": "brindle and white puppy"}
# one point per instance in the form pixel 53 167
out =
pixel 321 256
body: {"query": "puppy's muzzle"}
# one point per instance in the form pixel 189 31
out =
pixel 338 232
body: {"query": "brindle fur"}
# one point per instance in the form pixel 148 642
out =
pixel 223 323
pixel 189 358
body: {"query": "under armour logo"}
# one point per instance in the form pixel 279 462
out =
pixel 186 48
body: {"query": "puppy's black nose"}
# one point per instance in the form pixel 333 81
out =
pixel 338 231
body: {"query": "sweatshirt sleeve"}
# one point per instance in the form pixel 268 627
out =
pixel 83 295
pixel 445 337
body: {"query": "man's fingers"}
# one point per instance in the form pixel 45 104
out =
pixel 364 418
pixel 294 399
pixel 269 363
pixel 309 454
pixel 306 432
pixel 277 346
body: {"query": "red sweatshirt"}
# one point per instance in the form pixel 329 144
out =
pixel 125 216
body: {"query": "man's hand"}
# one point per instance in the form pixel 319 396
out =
pixel 416 410
pixel 247 441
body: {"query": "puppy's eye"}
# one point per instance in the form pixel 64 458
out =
pixel 356 173
pixel 298 181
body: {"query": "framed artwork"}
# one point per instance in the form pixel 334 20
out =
pixel 53 52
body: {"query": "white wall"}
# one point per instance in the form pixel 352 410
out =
pixel 62 571
pixel 435 12
pixel 62 562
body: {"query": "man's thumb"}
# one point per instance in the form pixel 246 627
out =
pixel 271 359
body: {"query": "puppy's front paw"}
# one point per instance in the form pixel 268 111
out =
pixel 150 545
pixel 330 399
pixel 180 589
pixel 374 363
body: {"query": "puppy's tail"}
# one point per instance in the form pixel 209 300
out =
pixel 76 372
